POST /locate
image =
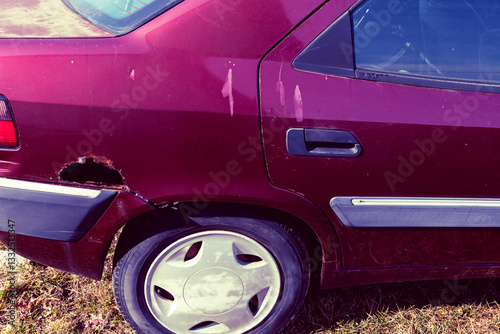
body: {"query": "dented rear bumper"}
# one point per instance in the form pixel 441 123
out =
pixel 50 211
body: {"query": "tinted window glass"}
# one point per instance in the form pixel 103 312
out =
pixel 451 39
pixel 119 9
pixel 120 16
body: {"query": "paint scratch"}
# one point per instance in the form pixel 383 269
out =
pixel 281 88
pixel 297 102
pixel 227 90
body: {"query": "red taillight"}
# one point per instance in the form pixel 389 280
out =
pixel 8 133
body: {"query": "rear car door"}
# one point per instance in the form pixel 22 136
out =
pixel 386 115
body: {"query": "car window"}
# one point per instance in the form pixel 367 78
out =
pixel 435 43
pixel 119 16
pixel 451 39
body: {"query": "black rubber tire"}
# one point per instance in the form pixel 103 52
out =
pixel 288 251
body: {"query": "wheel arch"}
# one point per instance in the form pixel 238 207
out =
pixel 185 214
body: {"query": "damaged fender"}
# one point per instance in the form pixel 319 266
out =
pixel 92 170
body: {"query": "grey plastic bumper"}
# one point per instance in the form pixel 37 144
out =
pixel 50 211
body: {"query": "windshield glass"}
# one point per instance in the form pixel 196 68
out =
pixel 120 16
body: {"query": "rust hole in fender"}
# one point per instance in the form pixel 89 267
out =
pixel 92 170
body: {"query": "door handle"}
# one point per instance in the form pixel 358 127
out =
pixel 322 143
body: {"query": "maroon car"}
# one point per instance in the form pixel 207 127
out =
pixel 249 147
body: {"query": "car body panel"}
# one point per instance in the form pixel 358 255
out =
pixel 181 92
pixel 156 87
pixel 416 142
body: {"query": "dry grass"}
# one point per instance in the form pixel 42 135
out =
pixel 50 301
pixel 468 306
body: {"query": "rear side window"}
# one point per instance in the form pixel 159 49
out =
pixel 120 16
pixel 452 39
pixel 452 44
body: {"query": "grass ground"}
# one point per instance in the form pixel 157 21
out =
pixel 50 301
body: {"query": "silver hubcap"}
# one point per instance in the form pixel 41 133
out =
pixel 212 282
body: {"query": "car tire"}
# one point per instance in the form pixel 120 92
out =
pixel 234 275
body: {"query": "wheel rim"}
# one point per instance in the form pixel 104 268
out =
pixel 212 282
